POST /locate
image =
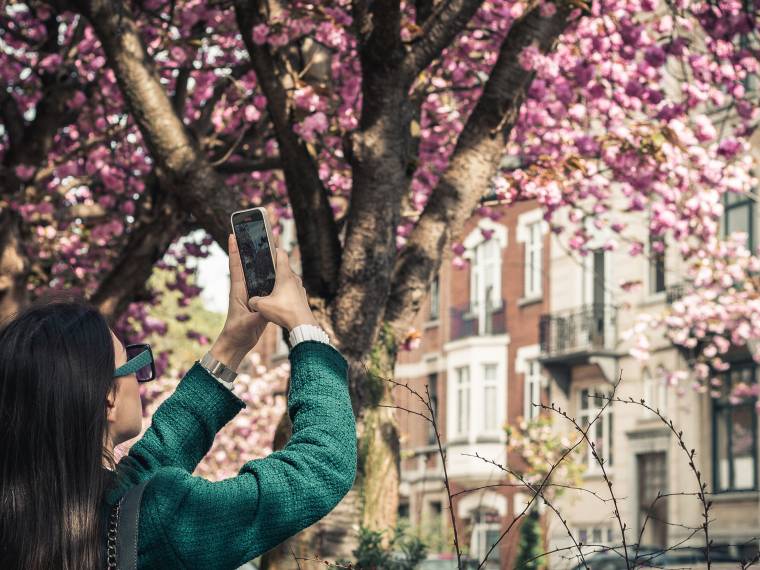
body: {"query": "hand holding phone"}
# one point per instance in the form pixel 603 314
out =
pixel 242 328
pixel 256 245
pixel 288 304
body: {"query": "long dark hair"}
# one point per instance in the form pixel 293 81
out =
pixel 56 370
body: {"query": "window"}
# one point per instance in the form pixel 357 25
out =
pixel 485 533
pixel 735 434
pixel 532 390
pixel 656 264
pixel 653 506
pixel 490 398
pixel 433 390
pixel 739 216
pixel 534 247
pixel 433 514
pixel 477 397
pixel 655 394
pixel 597 327
pixel 485 278
pixel 434 300
pixel 463 400
pixel 590 405
pixel 595 535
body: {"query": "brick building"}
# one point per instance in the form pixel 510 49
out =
pixel 478 357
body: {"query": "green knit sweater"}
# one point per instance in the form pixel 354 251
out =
pixel 189 522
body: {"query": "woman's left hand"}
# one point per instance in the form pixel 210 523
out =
pixel 243 327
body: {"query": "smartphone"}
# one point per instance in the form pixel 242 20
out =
pixel 254 238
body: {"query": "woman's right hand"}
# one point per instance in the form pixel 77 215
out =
pixel 287 305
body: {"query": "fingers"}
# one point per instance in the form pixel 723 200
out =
pixel 282 265
pixel 237 280
pixel 253 303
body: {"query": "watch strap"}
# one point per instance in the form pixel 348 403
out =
pixel 307 332
pixel 217 369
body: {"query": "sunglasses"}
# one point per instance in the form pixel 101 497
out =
pixel 139 362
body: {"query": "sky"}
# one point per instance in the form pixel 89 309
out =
pixel 214 279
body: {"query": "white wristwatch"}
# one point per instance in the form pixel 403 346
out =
pixel 217 369
pixel 307 332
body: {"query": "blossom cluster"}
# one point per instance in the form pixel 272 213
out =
pixel 642 106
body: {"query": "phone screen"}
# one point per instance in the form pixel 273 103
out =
pixel 253 243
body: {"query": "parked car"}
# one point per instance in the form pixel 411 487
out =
pixel 650 557
pixel 446 562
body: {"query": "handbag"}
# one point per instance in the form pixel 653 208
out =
pixel 122 530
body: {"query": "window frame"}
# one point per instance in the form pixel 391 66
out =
pixel 459 389
pixel 485 385
pixel 730 207
pixel 531 379
pixel 479 536
pixel 657 269
pixel 434 403
pixel 655 393
pixel 434 312
pixel 478 287
pixel 721 405
pixel 534 248
pixel 606 419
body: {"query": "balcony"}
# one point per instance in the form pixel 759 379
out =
pixel 468 320
pixel 585 335
pixel 674 293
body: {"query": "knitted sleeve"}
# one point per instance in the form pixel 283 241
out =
pixel 190 522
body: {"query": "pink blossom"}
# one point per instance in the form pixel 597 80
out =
pixel 77 100
pixel 260 33
pixel 50 62
pixel 529 57
pixel 24 171
pixel 548 9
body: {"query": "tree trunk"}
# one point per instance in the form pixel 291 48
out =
pixel 378 471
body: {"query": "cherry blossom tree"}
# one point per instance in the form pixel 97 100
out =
pixel 378 127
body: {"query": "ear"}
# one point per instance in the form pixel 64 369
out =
pixel 111 402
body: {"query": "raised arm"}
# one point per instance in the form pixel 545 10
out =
pixel 224 524
pixel 185 425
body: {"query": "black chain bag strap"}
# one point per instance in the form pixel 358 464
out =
pixel 122 530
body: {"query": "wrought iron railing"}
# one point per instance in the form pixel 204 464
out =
pixel 468 320
pixel 587 328
pixel 675 292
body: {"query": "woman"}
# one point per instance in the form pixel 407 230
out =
pixel 68 394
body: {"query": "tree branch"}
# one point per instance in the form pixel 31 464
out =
pixel 315 223
pixel 180 91
pixel 149 238
pixel 202 126
pixel 51 113
pixel 380 42
pixel 473 165
pixel 180 164
pixel 438 31
pixel 422 11
pixel 242 166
